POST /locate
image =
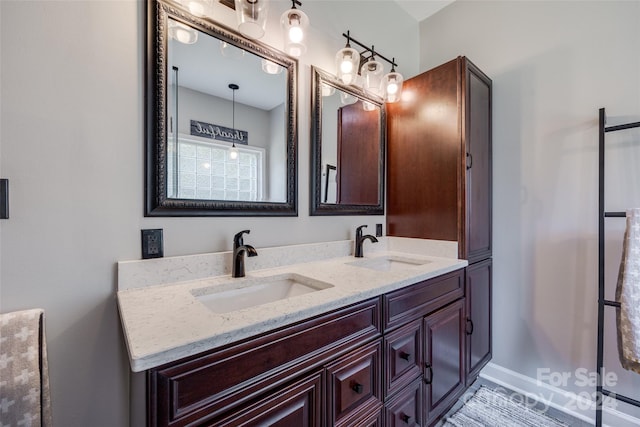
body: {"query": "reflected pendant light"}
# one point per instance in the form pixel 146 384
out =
pixel 347 63
pixel 252 17
pixel 372 75
pixel 182 33
pixel 392 85
pixel 295 24
pixel 233 151
pixel 271 67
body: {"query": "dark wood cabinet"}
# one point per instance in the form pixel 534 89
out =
pixel 439 186
pixel 403 356
pixel 443 359
pixel 478 321
pixel 439 159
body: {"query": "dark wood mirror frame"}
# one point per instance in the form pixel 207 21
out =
pixel 317 205
pixel 156 201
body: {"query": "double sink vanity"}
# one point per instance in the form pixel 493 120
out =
pixel 311 335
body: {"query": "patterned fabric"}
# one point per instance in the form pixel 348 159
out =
pixel 24 379
pixel 628 295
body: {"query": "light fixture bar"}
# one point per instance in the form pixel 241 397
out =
pixel 368 49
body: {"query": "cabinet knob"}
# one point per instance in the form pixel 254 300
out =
pixel 357 388
pixel 469 328
pixel 405 418
pixel 405 356
pixel 429 379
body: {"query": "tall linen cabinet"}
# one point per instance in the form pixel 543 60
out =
pixel 439 183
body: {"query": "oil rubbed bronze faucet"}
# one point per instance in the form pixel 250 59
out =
pixel 239 249
pixel 360 240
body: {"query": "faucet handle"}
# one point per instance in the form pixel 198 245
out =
pixel 238 240
pixel 359 230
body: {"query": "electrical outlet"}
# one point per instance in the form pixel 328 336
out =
pixel 152 243
pixel 378 230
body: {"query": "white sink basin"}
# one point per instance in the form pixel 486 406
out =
pixel 389 263
pixel 250 292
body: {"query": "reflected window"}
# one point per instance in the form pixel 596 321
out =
pixel 205 171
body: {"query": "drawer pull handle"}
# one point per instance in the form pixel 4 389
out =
pixel 430 379
pixel 357 388
pixel 469 326
pixel 469 161
pixel 405 356
pixel 405 418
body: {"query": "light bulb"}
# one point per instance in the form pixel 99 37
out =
pixel 368 106
pixel 327 90
pixel 233 152
pixel 346 66
pixel 183 35
pixel 295 32
pixel 392 88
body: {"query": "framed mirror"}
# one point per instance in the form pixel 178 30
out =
pixel 347 148
pixel 221 120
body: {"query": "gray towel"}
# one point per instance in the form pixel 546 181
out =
pixel 628 295
pixel 24 378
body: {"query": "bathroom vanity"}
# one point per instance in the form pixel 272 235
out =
pixel 379 340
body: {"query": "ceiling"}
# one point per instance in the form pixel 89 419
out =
pixel 422 9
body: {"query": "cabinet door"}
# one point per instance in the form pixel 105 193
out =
pixel 444 359
pixel 299 405
pixel 478 321
pixel 477 100
pixel 354 386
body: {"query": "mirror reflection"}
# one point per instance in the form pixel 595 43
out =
pixel 226 120
pixel 348 149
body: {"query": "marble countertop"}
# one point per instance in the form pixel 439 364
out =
pixel 166 322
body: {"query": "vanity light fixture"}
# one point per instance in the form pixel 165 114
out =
pixel 233 151
pixel 252 17
pixel 370 75
pixel 182 33
pixel 295 24
pixel 347 62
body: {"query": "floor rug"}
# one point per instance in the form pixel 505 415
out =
pixel 489 408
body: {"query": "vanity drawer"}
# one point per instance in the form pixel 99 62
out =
pixel 354 385
pixel 415 301
pixel 403 356
pixel 202 387
pixel 405 409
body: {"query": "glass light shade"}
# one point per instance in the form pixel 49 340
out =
pixel 347 98
pixel 230 51
pixel 252 17
pixel 368 106
pixel 199 8
pixel 182 33
pixel 392 86
pixel 271 67
pixel 327 90
pixel 372 74
pixel 295 26
pixel 347 63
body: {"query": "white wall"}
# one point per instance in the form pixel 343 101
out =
pixel 553 64
pixel 72 147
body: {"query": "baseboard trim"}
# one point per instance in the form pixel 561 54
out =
pixel 575 405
